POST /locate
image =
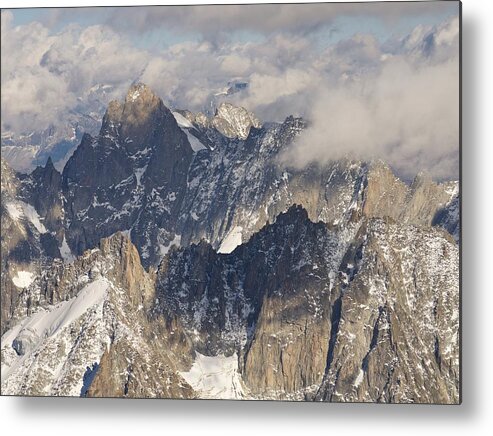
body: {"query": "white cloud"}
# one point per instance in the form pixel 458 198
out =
pixel 398 101
pixel 44 75
pixel 405 114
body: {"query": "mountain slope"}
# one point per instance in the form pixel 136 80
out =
pixel 67 341
pixel 397 338
pixel 168 260
pixel 131 177
pixel 301 307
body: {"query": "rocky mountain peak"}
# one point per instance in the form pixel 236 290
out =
pixel 113 113
pixel 140 93
pixel 48 173
pixel 49 164
pixel 422 178
pixel 233 121
pixel 134 119
pixel 117 244
pixel 127 269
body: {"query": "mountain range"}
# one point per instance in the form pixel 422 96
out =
pixel 176 256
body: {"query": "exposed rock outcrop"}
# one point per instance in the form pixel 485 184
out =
pixel 92 337
pixel 131 177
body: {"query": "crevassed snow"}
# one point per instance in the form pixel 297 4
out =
pixel 19 209
pixel 23 279
pixel 35 329
pixel 231 241
pixel 65 252
pixel 181 120
pixel 215 377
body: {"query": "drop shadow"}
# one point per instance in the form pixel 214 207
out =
pixel 231 411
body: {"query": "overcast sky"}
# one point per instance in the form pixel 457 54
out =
pixel 375 80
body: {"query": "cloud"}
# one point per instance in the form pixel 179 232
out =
pixel 397 100
pixel 214 21
pixel 44 76
pixel 405 114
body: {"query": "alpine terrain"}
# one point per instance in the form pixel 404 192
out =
pixel 173 254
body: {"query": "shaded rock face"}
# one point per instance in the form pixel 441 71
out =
pixel 312 316
pixel 142 175
pixel 43 189
pixel 131 177
pixel 239 186
pixel 311 312
pixel 26 245
pixel 448 217
pixel 269 301
pixel 397 333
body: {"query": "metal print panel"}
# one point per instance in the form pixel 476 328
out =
pixel 249 202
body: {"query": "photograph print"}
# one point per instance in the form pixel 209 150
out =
pixel 237 202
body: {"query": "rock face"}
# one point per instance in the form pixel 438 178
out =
pixel 27 246
pixel 94 325
pixel 131 177
pixel 231 121
pixel 176 257
pixel 312 316
pixel 397 332
pixel 234 122
pixel 167 178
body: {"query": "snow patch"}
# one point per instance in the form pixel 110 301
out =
pixel 66 252
pixel 138 174
pixel 23 279
pixel 49 322
pixel 33 331
pixel 25 346
pixel 20 209
pixel 163 249
pixel 233 240
pixel 359 378
pixel 14 210
pixel 182 121
pixel 215 377
pixel 194 142
pixel 184 124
